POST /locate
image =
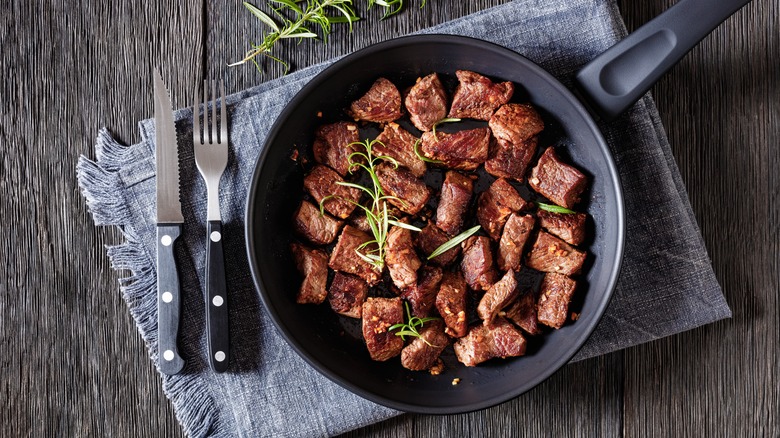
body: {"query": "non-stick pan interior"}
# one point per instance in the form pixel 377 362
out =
pixel 329 342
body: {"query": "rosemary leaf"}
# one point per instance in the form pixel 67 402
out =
pixel 403 225
pixel 444 120
pixel 423 157
pixel 452 243
pixel 554 208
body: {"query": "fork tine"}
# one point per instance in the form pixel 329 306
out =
pixel 214 139
pixel 223 133
pixel 206 131
pixel 196 134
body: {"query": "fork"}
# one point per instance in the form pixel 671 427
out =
pixel 211 155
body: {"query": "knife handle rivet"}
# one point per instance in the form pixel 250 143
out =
pixel 217 300
pixel 219 356
pixel 168 355
pixel 215 236
pixel 167 297
pixel 166 240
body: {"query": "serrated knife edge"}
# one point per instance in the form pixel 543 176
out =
pixel 166 155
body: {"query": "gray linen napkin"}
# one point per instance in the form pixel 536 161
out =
pixel 666 285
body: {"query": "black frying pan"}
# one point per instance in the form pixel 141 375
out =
pixel 332 344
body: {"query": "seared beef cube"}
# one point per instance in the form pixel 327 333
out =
pixel 557 181
pixel 554 298
pixel 319 228
pixel 451 303
pixel 513 239
pixel 429 239
pixel 422 296
pixel 568 226
pixel 423 352
pixel 477 97
pixel 496 204
pixel 455 196
pixel 523 313
pixel 322 182
pixel 333 145
pixel 398 143
pixel 497 297
pixel 379 314
pixel 313 265
pixel 382 103
pixel 401 258
pixel 511 160
pixel 515 123
pixel 551 254
pixel 412 193
pixel 426 102
pixel 484 342
pixel 347 294
pixel 344 257
pixel 464 150
pixel 477 263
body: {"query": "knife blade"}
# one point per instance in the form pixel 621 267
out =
pixel 169 227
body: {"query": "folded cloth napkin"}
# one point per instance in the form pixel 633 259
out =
pixel 666 285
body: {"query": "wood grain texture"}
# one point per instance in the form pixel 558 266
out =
pixel 73 363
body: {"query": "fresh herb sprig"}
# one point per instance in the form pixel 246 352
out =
pixel 412 326
pixel 554 208
pixel 422 157
pixel 444 120
pixel 455 241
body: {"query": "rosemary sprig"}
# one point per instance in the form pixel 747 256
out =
pixel 452 243
pixel 444 120
pixel 423 157
pixel 554 208
pixel 412 326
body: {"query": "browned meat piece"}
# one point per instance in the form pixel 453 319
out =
pixel 455 196
pixel 557 181
pixel 477 263
pixel 347 294
pixel 382 103
pixel 569 227
pixel 422 296
pixel 344 259
pixel 451 303
pixel 430 238
pixel 551 254
pixel 554 298
pixel 484 342
pixel 496 204
pixel 511 160
pixel 513 239
pixel 313 265
pixel 523 313
pixel 515 127
pixel 497 297
pixel 379 314
pixel 321 182
pixel 464 150
pixel 412 193
pixel 333 144
pixel 423 352
pixel 401 258
pixel 398 143
pixel 426 102
pixel 476 96
pixel 320 229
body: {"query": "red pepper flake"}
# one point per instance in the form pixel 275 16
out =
pixel 294 155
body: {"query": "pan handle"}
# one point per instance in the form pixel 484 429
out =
pixel 617 78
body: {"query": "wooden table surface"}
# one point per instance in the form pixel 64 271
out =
pixel 73 363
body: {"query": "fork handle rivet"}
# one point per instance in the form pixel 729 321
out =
pixel 215 236
pixel 166 240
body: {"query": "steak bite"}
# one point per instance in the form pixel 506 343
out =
pixel 396 142
pixel 515 127
pixel 510 160
pixel 497 297
pixel 423 352
pixel 496 204
pixel 451 304
pixel 313 265
pixel 551 254
pixel 523 313
pixel 379 314
pixel 568 226
pixel 401 258
pixel 382 103
pixel 347 294
pixel 422 296
pixel 426 102
pixel 476 96
pixel 554 298
pixel 333 145
pixel 513 239
pixel 412 193
pixel 477 263
pixel 429 239
pixel 464 150
pixel 318 228
pixel 557 181
pixel 454 201
pixel 321 182
pixel 344 259
pixel 484 342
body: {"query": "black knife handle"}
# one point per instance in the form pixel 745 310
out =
pixel 217 300
pixel 168 300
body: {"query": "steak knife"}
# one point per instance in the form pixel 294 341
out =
pixel 169 226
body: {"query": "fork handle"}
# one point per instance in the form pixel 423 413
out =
pixel 217 300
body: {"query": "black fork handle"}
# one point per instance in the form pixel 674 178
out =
pixel 217 300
